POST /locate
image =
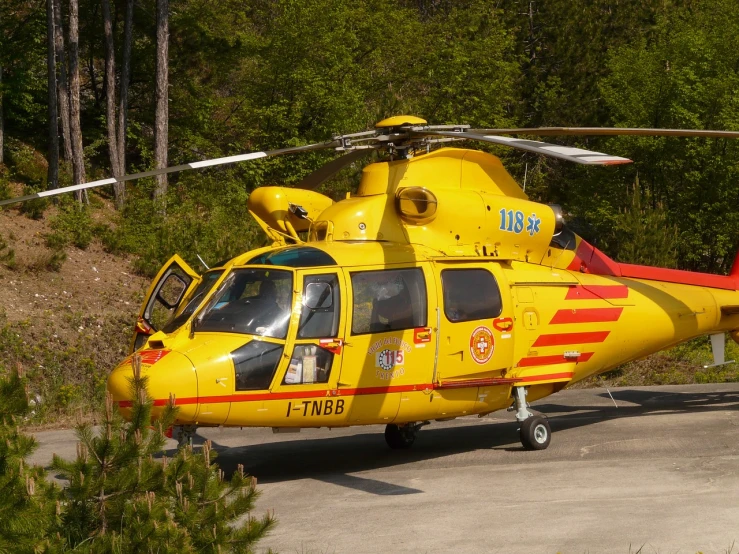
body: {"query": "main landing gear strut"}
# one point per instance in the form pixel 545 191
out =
pixel 402 436
pixel 535 432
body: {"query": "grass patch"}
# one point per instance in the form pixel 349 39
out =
pixel 66 370
pixel 680 365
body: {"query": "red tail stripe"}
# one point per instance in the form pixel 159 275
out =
pixel 561 339
pixel 586 315
pixel 597 292
pixel 552 360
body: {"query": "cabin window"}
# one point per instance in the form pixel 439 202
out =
pixel 294 256
pixel 252 301
pixel 209 279
pixel 309 364
pixel 321 307
pixel 255 364
pixel 389 300
pixel 470 294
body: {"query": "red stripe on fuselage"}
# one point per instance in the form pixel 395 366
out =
pixel 586 315
pixel 597 292
pixel 291 395
pixel 533 361
pixel 331 393
pixel 561 339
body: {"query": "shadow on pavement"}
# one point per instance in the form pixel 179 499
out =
pixel 331 459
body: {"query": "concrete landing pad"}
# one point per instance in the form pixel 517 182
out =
pixel 660 473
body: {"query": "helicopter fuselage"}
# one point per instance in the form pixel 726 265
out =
pixel 438 291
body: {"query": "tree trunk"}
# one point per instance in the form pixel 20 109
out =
pixel 2 128
pixel 125 78
pixel 115 164
pixel 161 116
pixel 78 158
pixel 62 91
pixel 52 179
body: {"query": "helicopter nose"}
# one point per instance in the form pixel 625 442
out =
pixel 169 373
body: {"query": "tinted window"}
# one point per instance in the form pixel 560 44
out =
pixel 308 364
pixel 300 256
pixel 320 317
pixel 209 279
pixel 253 301
pixel 255 364
pixel 388 300
pixel 167 296
pixel 470 294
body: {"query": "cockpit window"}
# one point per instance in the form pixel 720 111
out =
pixel 200 292
pixel 251 301
pixel 297 256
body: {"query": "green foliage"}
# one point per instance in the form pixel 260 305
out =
pixel 34 208
pixel 5 192
pixel 685 76
pixel 205 215
pixel 62 368
pixel 121 498
pixel 7 254
pixel 28 166
pixel 71 226
pixel 680 365
pixel 121 494
pixel 47 261
pixel 644 234
pixel 26 498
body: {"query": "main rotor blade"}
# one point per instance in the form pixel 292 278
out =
pixel 607 131
pixel 577 155
pixel 328 170
pixel 175 169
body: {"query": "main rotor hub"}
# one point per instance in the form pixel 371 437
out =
pixel 400 121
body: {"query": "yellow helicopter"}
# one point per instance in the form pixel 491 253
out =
pixel 437 290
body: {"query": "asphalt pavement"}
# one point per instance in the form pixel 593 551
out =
pixel 658 471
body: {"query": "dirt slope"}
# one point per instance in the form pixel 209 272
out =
pixel 67 328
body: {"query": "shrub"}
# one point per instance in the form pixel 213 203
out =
pixel 72 225
pixel 26 497
pixel 120 498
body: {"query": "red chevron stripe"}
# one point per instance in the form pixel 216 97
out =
pixel 586 315
pixel 561 339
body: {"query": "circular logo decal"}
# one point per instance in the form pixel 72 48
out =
pixel 482 344
pixel 386 359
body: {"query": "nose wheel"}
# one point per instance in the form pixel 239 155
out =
pixel 535 432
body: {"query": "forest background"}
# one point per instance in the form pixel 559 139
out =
pixel 263 74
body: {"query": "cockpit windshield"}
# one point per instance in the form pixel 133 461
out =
pixel 197 296
pixel 251 301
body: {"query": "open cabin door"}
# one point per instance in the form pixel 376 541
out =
pixel 174 283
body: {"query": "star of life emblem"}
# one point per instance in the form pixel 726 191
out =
pixel 482 344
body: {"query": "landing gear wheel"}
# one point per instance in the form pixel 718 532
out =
pixel 400 437
pixel 535 433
